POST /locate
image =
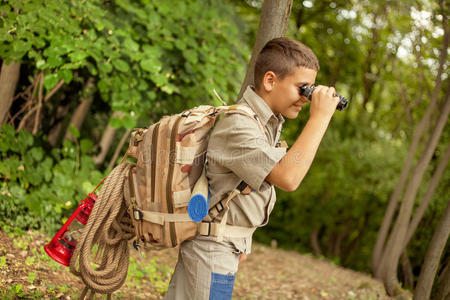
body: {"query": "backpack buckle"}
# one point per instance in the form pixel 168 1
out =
pixel 221 206
pixel 136 245
pixel 137 214
pixel 214 112
pixel 216 210
pixel 209 228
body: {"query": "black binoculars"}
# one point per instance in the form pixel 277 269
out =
pixel 308 90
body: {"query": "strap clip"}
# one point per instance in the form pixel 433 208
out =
pixel 221 206
pixel 137 214
pixel 209 228
pixel 136 245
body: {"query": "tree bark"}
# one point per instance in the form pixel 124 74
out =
pixel 434 181
pixel 119 147
pixel 314 238
pixel 55 131
pixel 394 246
pixel 352 243
pixel 272 24
pixel 9 77
pixel 83 108
pixel 106 140
pixel 418 132
pixel 432 257
pixel 443 292
pixel 408 276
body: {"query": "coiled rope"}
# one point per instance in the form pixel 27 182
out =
pixel 110 227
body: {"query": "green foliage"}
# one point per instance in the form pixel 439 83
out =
pixel 149 59
pixel 38 189
pixel 343 194
pixel 141 52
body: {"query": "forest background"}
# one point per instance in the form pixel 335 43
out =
pixel 77 76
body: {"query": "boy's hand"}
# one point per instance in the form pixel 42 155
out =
pixel 242 257
pixel 324 103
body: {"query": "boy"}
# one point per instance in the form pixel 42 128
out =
pixel 239 151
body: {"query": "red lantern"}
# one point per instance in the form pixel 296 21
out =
pixel 63 244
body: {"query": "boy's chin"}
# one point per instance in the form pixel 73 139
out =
pixel 290 114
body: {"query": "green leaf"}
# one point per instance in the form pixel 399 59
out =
pixel 169 89
pixel 31 277
pixel 105 67
pixel 37 153
pixel 77 56
pixel 129 121
pixel 88 187
pixel 50 80
pixel 54 61
pixel 21 46
pixel 74 131
pixel 65 75
pixel 72 66
pixel 151 51
pixel 159 79
pixel 47 175
pixel 121 65
pixel 40 63
pixel 86 145
pixel 17 191
pixel 25 138
pixel 115 122
pixel 131 45
pixel 151 65
pixel 191 56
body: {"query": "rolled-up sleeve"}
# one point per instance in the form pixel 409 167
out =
pixel 238 144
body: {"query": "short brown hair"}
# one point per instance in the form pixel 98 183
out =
pixel 281 56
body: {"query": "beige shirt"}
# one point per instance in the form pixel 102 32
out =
pixel 239 151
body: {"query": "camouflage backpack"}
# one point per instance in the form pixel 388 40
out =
pixel 170 157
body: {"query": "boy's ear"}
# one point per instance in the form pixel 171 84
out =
pixel 269 81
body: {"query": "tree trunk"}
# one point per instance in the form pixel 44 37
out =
pixel 408 276
pixel 428 195
pixel 106 140
pixel 432 257
pixel 394 246
pixel 83 108
pixel 352 243
pixel 272 24
pixel 314 238
pixel 55 131
pixel 119 147
pixel 9 77
pixel 443 292
pixel 418 132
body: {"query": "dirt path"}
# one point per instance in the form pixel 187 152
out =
pixel 26 272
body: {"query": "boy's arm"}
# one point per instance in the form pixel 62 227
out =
pixel 289 172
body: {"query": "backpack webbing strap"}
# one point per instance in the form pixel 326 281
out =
pixel 246 110
pixel 220 230
pixel 159 218
pixel 217 229
pixel 220 206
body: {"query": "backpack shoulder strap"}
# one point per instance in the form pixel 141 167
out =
pixel 246 111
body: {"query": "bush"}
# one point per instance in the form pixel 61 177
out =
pixel 41 187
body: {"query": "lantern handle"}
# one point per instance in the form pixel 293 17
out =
pixel 99 184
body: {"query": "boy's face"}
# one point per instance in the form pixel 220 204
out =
pixel 283 95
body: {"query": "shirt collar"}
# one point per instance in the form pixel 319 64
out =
pixel 259 106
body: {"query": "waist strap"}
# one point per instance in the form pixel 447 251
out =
pixel 223 230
